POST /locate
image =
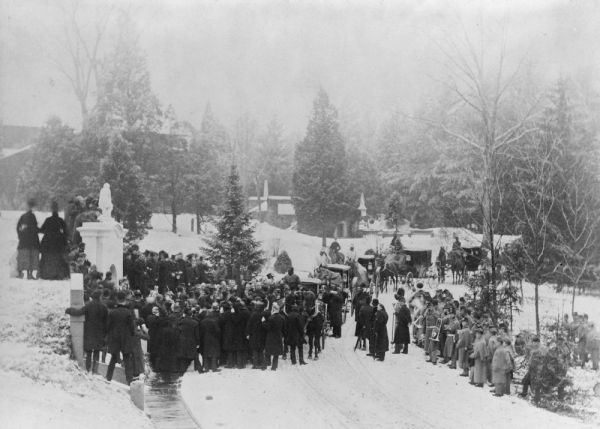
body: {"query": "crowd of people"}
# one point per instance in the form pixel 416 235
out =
pixel 209 324
pixel 188 311
pixel 455 333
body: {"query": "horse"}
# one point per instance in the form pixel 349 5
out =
pixel 359 276
pixel 395 267
pixel 457 266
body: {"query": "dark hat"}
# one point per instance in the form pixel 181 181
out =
pixel 375 302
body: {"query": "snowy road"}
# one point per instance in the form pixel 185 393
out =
pixel 349 389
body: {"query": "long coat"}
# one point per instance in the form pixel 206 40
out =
pixel 210 336
pixel 230 340
pixel 380 328
pixel 121 329
pixel 27 231
pixel 480 353
pixel 403 319
pixel 275 327
pixel 363 324
pixel 189 338
pixel 502 364
pixel 256 331
pixel 336 303
pixel 295 329
pixel 55 235
pixel 464 345
pixel 94 326
pixel 243 315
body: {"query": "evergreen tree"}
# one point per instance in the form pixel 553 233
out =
pixel 271 161
pixel 234 240
pixel 125 98
pixel 131 206
pixel 283 263
pixel 59 166
pixel 320 182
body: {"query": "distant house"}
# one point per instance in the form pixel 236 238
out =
pixel 16 144
pixel 276 210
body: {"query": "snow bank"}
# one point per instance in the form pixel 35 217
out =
pixel 41 386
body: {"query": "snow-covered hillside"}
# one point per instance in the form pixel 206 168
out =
pixel 41 386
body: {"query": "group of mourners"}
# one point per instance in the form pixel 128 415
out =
pixel 209 325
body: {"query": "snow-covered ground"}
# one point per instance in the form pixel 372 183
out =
pixel 349 389
pixel 342 389
pixel 41 386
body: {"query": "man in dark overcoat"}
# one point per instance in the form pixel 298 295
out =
pixel 189 338
pixel 210 339
pixel 401 330
pixel 336 302
pixel 363 322
pixel 121 329
pixel 228 320
pixel 295 335
pixel 256 335
pixel 242 314
pixel 275 328
pixel 94 329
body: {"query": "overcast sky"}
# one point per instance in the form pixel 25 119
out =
pixel 268 58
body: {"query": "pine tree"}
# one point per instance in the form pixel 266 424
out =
pixel 283 262
pixel 125 98
pixel 59 166
pixel 131 205
pixel 320 194
pixel 234 240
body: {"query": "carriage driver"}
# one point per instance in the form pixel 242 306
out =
pixel 456 245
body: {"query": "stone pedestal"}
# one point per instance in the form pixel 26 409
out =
pixel 77 321
pixel 104 246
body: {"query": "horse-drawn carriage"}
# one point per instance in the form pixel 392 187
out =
pixel 464 260
pixel 403 266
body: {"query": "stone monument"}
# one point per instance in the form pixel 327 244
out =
pixel 104 239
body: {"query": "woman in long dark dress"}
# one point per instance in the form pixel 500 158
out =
pixel 28 250
pixel 53 265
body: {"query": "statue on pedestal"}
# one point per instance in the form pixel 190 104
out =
pixel 105 204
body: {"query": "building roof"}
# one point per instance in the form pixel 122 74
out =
pixel 17 136
pixel 8 152
pixel 286 209
pixel 272 197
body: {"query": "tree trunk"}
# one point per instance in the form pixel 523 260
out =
pixel 537 309
pixel 324 238
pixel 197 223
pixel 573 298
pixel 173 218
